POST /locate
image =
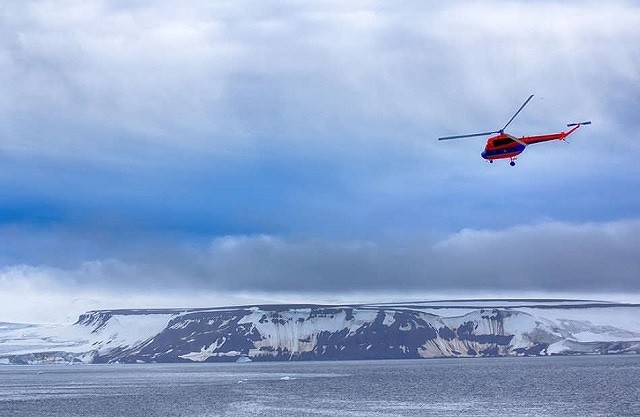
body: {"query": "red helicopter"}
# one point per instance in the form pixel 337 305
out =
pixel 504 145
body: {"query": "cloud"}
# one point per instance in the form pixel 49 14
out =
pixel 547 257
pixel 221 76
pixel 152 113
pixel 132 134
pixel 550 256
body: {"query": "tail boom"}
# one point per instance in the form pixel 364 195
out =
pixel 529 140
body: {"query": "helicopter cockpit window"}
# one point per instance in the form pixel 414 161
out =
pixel 500 142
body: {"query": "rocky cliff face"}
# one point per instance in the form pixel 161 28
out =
pixel 313 332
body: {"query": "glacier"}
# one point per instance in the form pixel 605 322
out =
pixel 427 329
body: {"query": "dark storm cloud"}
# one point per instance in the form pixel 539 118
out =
pixel 547 257
pixel 541 257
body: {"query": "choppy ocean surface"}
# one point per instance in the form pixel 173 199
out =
pixel 547 386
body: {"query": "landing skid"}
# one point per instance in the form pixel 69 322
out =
pixel 512 161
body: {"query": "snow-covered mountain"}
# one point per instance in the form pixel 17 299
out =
pixel 464 328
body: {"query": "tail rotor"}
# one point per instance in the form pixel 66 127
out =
pixel 579 124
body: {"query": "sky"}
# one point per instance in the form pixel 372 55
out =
pixel 155 154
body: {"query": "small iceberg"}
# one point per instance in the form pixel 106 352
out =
pixel 287 378
pixel 243 359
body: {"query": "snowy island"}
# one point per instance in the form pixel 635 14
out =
pixel 461 328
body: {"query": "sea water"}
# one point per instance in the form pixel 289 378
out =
pixel 541 386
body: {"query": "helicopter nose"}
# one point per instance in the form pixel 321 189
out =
pixel 484 154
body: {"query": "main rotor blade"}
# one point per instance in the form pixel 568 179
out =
pixel 519 110
pixel 468 136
